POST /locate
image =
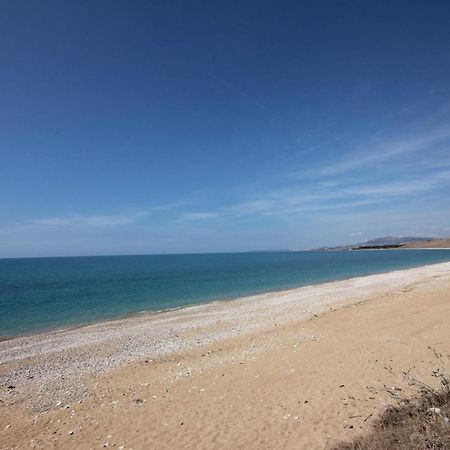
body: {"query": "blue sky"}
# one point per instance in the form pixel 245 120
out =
pixel 162 126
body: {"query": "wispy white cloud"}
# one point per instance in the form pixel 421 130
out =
pixel 89 220
pixel 379 152
pixel 322 144
pixel 199 216
pixel 328 196
pixel 102 220
pixel 397 188
pixel 251 206
pixel 354 190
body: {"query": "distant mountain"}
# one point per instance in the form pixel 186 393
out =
pixel 381 242
pixel 393 240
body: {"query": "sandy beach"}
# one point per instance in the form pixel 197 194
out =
pixel 301 368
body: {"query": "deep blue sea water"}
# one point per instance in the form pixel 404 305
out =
pixel 37 294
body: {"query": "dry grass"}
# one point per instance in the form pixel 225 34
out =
pixel 436 243
pixel 419 423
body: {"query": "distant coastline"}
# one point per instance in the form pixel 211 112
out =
pixel 393 243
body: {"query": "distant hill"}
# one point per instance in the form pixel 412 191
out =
pixel 393 240
pixel 387 242
pixel 433 243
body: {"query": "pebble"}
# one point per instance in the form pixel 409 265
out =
pixel 435 410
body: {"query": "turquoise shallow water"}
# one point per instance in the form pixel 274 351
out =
pixel 46 293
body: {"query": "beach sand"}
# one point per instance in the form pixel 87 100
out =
pixel 302 369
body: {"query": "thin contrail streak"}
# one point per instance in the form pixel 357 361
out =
pixel 237 91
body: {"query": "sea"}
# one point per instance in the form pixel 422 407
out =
pixel 41 294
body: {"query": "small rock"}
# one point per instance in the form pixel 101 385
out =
pixel 435 410
pixel 70 433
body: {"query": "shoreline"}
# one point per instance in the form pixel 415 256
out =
pixel 151 313
pixel 313 360
pixel 213 310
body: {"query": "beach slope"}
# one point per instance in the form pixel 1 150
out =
pixel 303 368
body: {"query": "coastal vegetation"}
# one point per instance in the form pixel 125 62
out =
pixel 419 423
